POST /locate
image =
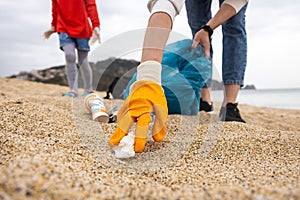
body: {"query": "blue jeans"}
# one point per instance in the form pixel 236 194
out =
pixel 234 57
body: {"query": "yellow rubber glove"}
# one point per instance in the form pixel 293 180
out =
pixel 145 97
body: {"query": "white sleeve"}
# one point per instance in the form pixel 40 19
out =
pixel 171 7
pixel 236 4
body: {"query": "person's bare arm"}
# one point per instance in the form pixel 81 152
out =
pixel 227 10
pixel 202 37
pixel 156 36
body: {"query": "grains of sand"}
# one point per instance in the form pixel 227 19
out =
pixel 51 149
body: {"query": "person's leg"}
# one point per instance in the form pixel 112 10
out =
pixel 85 70
pixel 230 93
pixel 234 54
pixel 205 94
pixel 234 58
pixel 71 68
pixel 107 95
pixel 198 14
pixel 67 45
pixel 206 103
pixel 82 45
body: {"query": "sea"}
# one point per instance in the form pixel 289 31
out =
pixel 272 98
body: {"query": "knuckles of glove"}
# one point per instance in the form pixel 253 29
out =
pixel 145 97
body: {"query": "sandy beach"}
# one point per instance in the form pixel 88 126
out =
pixel 51 149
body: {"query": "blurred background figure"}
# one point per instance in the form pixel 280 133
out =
pixel 78 26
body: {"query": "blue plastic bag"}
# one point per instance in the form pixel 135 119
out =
pixel 184 72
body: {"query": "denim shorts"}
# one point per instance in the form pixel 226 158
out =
pixel 80 43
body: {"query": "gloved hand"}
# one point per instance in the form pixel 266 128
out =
pixel 146 96
pixel 49 32
pixel 95 36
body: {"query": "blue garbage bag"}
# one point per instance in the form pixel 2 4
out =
pixel 184 72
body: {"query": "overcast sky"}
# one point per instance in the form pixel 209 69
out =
pixel 273 37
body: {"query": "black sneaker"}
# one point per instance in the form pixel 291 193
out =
pixel 205 106
pixel 230 113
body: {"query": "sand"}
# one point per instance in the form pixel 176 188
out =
pixel 51 149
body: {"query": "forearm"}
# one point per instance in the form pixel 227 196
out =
pixel 225 12
pixel 157 33
pixel 228 9
pixel 160 23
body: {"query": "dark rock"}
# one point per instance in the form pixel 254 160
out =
pixel 249 87
pixel 53 75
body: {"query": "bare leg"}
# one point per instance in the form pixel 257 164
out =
pixel 205 95
pixel 230 94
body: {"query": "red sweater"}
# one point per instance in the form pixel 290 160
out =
pixel 72 17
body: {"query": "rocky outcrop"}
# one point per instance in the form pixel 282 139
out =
pixel 249 87
pixel 53 75
pixel 104 73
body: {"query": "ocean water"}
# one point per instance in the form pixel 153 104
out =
pixel 274 98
